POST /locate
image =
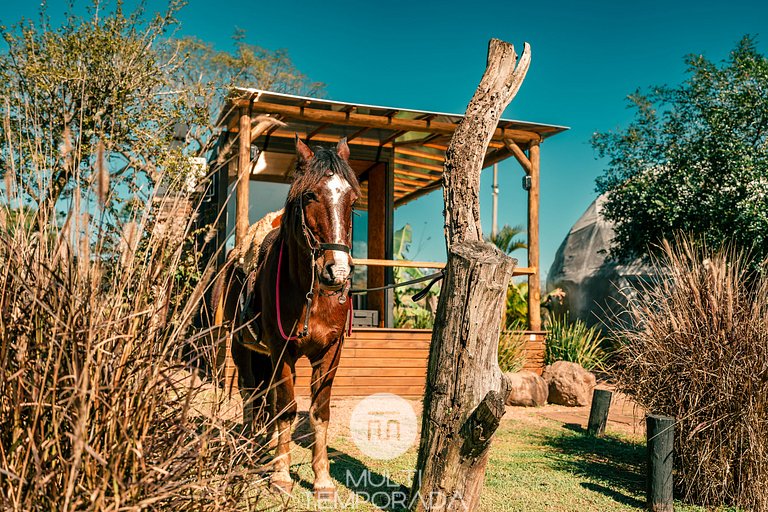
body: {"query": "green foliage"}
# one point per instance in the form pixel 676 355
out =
pixel 95 101
pixel 516 313
pixel 694 160
pixel 506 239
pixel 512 348
pixel 407 313
pixel 574 342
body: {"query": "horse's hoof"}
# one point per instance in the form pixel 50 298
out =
pixel 284 487
pixel 325 493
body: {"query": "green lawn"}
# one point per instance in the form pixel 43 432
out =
pixel 541 466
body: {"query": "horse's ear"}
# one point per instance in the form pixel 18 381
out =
pixel 302 150
pixel 342 149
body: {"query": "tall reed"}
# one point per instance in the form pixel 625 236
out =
pixel 698 351
pixel 98 410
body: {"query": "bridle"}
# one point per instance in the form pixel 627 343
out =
pixel 315 248
pixel 312 242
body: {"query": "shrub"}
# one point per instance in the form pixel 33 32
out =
pixel 574 342
pixel 697 351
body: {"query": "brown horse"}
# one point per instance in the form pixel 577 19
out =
pixel 296 304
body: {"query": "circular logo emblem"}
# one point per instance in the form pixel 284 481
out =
pixel 383 426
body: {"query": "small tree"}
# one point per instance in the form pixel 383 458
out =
pixel 695 158
pixel 96 103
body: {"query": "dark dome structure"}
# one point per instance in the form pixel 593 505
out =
pixel 595 286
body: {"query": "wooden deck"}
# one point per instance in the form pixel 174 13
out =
pixel 376 360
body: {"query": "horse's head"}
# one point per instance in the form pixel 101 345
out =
pixel 323 193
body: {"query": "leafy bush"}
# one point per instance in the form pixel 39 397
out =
pixel 574 342
pixel 697 351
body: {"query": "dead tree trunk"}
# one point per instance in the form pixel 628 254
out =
pixel 466 391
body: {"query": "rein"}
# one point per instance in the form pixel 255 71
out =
pixel 315 247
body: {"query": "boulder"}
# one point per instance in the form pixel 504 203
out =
pixel 569 384
pixel 526 389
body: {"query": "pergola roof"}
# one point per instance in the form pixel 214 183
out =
pixel 419 138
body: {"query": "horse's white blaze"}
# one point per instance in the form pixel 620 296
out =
pixel 338 186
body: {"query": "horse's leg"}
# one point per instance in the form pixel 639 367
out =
pixel 246 381
pixel 261 369
pixel 323 372
pixel 284 407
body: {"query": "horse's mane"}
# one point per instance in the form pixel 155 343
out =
pixel 308 174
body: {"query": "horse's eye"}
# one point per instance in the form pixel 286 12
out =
pixel 310 196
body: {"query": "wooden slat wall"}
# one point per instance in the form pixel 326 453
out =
pixel 387 361
pixel 377 361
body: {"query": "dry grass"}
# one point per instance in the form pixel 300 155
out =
pixel 93 413
pixel 699 351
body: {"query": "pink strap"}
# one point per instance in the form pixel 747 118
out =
pixel 351 315
pixel 277 296
pixel 277 300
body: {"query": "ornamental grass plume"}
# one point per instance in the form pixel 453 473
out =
pixel 98 409
pixel 698 350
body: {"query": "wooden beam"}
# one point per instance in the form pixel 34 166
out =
pixel 408 181
pixel 357 134
pixel 367 120
pixel 422 175
pixel 420 154
pixel 287 134
pixel 317 130
pixel 370 262
pixel 495 156
pixel 377 233
pixel 419 165
pixel 243 176
pixel 534 280
pixel 519 155
pixel 393 137
pixel 418 193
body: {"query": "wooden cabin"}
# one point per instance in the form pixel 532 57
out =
pixel 398 157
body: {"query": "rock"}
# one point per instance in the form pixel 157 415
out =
pixel 569 384
pixel 527 389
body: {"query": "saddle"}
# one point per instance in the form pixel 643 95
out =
pixel 247 264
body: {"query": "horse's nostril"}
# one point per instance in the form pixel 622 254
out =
pixel 329 270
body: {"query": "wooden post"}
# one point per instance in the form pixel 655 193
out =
pixel 465 391
pixel 244 177
pixel 660 435
pixel 598 413
pixel 534 280
pixel 377 236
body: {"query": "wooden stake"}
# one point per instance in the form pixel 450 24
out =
pixel 660 435
pixel 244 177
pixel 465 392
pixel 534 280
pixel 519 155
pixel 598 413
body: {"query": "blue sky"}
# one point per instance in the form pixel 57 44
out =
pixel 586 58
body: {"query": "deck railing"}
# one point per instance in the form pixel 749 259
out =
pixel 519 271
